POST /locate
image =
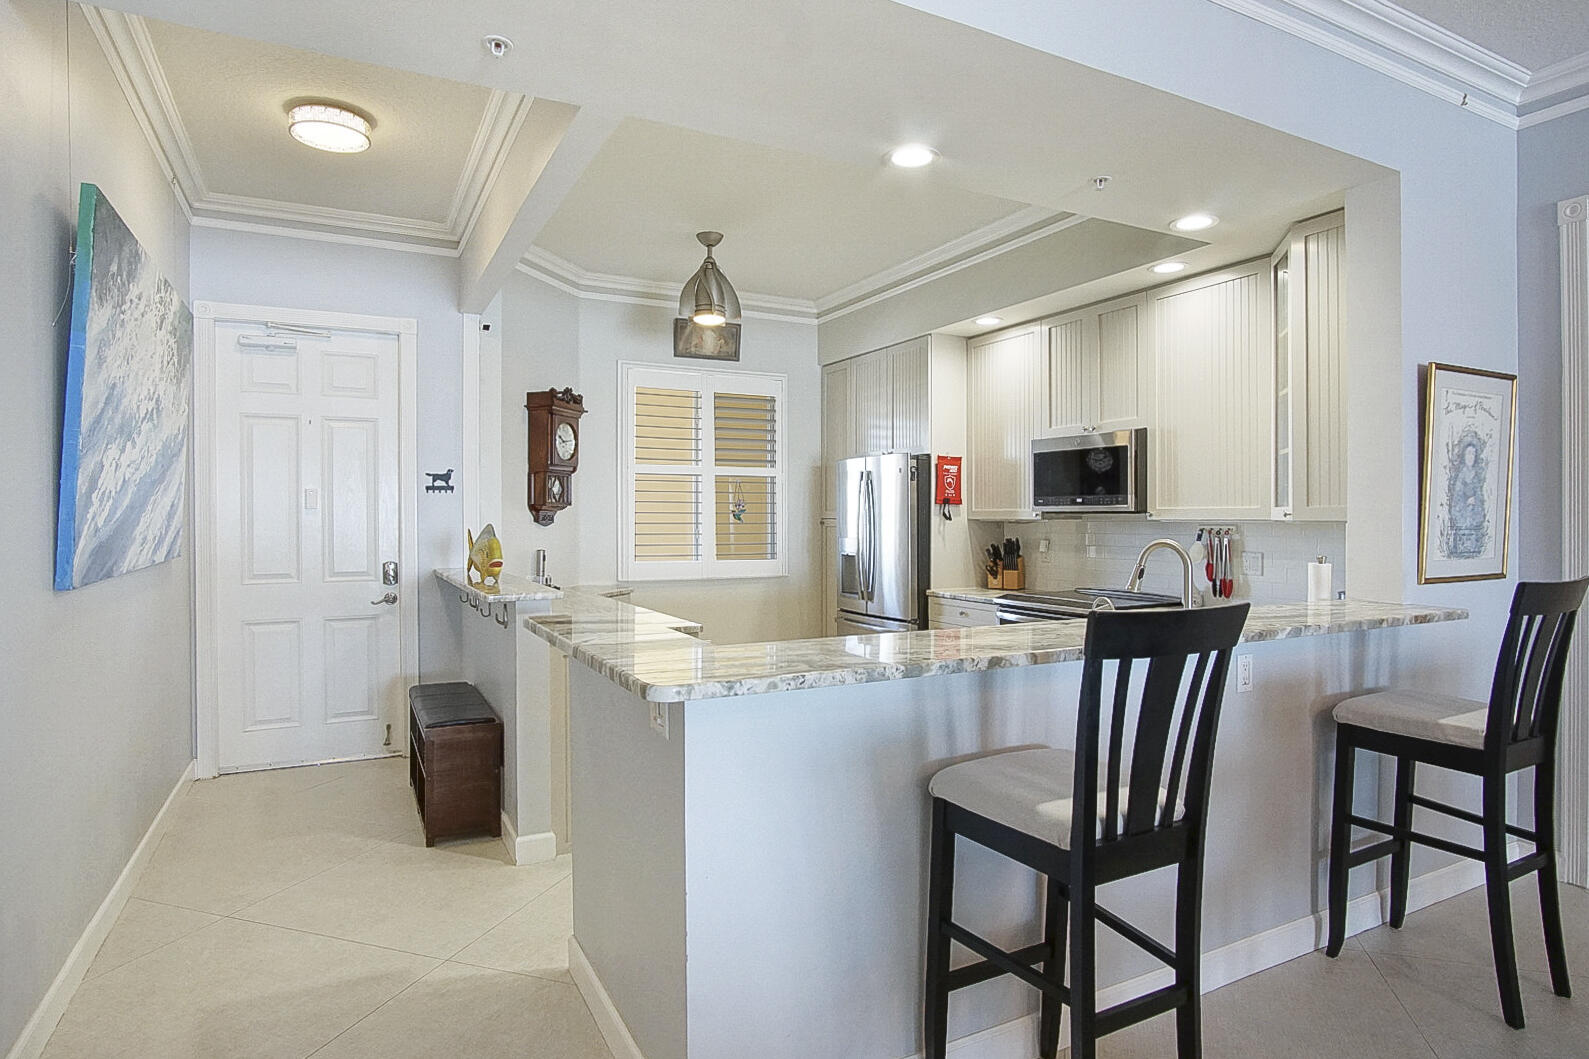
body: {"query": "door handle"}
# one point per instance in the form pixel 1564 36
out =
pixel 385 601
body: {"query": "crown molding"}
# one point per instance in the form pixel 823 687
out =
pixel 602 286
pixel 133 60
pixel 981 245
pixel 1389 39
pixel 323 235
pixel 1569 75
pixel 999 231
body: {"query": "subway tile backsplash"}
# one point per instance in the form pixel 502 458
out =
pixel 1098 553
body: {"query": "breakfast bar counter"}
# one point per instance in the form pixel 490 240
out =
pixel 751 820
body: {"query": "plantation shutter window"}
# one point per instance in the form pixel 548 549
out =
pixel 702 456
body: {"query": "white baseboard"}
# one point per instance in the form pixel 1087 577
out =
pixel 53 1005
pixel 528 849
pixel 619 1041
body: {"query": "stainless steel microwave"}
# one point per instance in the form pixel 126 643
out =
pixel 1091 472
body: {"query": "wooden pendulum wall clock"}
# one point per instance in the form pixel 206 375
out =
pixel 554 450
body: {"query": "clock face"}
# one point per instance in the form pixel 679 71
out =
pixel 554 486
pixel 565 440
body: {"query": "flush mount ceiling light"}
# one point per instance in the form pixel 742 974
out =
pixel 1194 222
pixel 989 321
pixel 1165 268
pixel 708 298
pixel 328 127
pixel 912 156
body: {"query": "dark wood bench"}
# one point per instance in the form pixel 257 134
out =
pixel 454 760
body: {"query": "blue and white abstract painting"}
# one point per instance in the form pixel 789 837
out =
pixel 125 430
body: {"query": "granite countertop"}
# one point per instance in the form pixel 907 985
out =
pixel 512 588
pixel 587 617
pixel 970 595
pixel 654 661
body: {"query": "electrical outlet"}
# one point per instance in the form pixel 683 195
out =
pixel 1045 554
pixel 659 718
pixel 1252 563
pixel 1244 672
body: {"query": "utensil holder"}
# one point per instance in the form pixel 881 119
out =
pixel 1013 578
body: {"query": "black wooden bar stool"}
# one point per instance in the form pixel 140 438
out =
pixel 1515 730
pixel 1053 811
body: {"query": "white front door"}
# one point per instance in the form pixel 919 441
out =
pixel 309 658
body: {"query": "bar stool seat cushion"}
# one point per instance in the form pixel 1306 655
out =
pixel 1029 790
pixel 1419 714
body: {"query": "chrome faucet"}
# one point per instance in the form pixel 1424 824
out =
pixel 1141 568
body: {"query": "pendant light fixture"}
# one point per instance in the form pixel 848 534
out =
pixel 708 298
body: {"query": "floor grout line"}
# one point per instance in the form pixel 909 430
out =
pixel 556 883
pixel 1411 1021
pixel 440 964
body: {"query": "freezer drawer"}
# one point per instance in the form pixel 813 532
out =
pixel 865 625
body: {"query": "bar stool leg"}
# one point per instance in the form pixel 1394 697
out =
pixel 1549 901
pixel 1189 959
pixel 1054 923
pixel 940 906
pixel 1401 860
pixel 1340 840
pixel 1083 972
pixel 1498 890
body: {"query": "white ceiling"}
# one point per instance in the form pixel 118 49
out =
pixel 792 108
pixel 232 96
pixel 1531 33
pixel 796 225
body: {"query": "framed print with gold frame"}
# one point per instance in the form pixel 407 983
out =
pixel 1465 508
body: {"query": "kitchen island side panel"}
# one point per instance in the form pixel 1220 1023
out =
pixel 627 811
pixel 806 821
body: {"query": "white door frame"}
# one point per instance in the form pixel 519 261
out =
pixel 205 625
pixel 1572 771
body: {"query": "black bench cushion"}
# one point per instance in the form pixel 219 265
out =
pixel 442 705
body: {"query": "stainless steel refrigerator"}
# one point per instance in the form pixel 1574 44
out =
pixel 884 508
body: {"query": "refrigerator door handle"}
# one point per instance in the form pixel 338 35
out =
pixel 860 532
pixel 871 538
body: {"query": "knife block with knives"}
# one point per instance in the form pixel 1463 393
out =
pixel 1005 566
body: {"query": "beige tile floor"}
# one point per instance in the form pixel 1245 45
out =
pixel 297 913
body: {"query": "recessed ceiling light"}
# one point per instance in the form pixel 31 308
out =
pixel 912 156
pixel 1165 268
pixel 327 127
pixel 1194 222
pixel 989 321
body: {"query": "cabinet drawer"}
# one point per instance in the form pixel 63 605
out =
pixel 957 613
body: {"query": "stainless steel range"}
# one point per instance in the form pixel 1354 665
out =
pixel 1017 607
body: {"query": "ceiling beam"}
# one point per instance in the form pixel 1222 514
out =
pixel 554 145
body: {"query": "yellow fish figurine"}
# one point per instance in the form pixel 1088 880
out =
pixel 485 559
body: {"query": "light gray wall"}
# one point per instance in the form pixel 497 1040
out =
pixel 552 338
pixel 1552 164
pixel 277 271
pixel 96 684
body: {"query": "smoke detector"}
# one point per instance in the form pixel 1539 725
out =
pixel 498 45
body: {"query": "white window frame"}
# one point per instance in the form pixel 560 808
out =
pixel 707 382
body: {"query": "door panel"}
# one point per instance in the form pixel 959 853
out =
pixel 851 571
pixel 272 455
pixel 309 661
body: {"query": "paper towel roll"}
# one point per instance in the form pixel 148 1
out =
pixel 1320 579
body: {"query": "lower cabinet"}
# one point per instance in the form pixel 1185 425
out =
pixel 959 613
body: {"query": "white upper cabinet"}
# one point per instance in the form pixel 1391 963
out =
pixel 1309 459
pixel 911 413
pixel 872 404
pixel 1097 377
pixel 1210 441
pixel 838 439
pixel 1007 405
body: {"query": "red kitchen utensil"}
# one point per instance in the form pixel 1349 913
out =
pixel 1229 582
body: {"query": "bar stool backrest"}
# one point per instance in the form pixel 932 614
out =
pixel 1525 699
pixel 1172 717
